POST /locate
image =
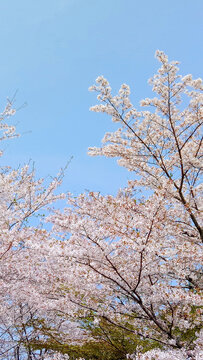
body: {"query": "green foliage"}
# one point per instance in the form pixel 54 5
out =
pixel 108 341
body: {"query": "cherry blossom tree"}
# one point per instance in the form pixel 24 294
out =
pixel 131 261
pixel 21 199
pixel 137 262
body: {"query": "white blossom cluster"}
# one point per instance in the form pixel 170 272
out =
pixel 132 262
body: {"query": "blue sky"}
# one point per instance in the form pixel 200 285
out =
pixel 53 50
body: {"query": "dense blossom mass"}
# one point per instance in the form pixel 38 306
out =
pixel 121 272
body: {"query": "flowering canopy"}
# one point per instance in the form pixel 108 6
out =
pixel 21 199
pixel 139 261
pixel 133 263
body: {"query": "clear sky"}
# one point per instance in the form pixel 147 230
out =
pixel 53 50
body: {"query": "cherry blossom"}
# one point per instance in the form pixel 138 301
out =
pixel 139 259
pixel 22 197
pixel 131 260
